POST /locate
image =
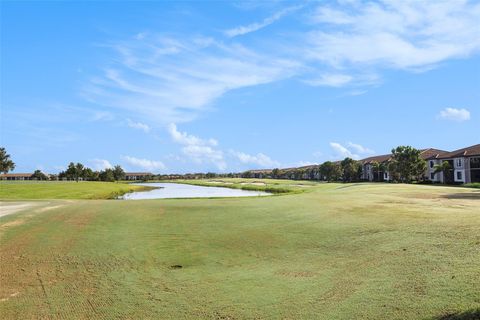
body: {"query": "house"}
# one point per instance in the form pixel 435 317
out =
pixel 138 175
pixel 370 173
pixel 16 176
pixel 464 165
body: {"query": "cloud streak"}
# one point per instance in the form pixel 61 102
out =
pixel 242 30
pixel 146 164
pixel 260 159
pixel 138 125
pixel 169 80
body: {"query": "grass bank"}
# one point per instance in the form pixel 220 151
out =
pixel 275 186
pixel 338 251
pixel 33 190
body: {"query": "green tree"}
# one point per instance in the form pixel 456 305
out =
pixel 89 174
pixel 79 171
pixel 210 175
pixel 71 171
pixel 39 175
pixel 443 167
pixel 74 171
pixel 275 173
pixel 351 169
pixel 330 171
pixel 6 163
pixel 407 164
pixel 107 175
pixel 118 173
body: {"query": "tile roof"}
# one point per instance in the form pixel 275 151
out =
pixel 432 153
pixel 381 158
pixel 464 152
pixel 16 175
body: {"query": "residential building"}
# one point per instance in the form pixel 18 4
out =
pixel 16 176
pixel 138 175
pixel 464 165
pixel 372 173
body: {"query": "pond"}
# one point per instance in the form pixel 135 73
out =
pixel 178 190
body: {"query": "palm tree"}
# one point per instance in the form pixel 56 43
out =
pixel 443 168
pixel 6 164
pixel 378 167
pixel 381 168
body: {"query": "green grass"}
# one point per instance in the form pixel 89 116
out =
pixel 275 186
pixel 473 185
pixel 336 251
pixel 64 190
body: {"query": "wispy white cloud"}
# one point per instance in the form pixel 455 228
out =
pixel 171 80
pixel 205 154
pixel 359 148
pixel 188 139
pixel 259 159
pixel 454 114
pixel 102 116
pixel 342 152
pixel 241 30
pixel 100 164
pixel 197 149
pixel 351 150
pixel 138 125
pixel 331 80
pixel 146 164
pixel 395 34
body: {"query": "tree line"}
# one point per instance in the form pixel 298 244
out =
pixel 77 171
pixel 405 165
pixel 74 171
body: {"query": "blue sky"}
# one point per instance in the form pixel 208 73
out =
pixel 229 86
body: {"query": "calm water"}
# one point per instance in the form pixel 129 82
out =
pixel 177 190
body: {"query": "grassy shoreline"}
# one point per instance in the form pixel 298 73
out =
pixel 274 186
pixel 50 190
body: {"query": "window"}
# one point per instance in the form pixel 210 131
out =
pixel 475 163
pixel 459 162
pixel 459 175
pixel 432 176
pixel 431 164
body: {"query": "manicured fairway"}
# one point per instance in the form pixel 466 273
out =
pixel 335 251
pixel 63 190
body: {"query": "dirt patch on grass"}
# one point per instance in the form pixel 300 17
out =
pixel 466 195
pixel 49 208
pixel 7 208
pixel 11 295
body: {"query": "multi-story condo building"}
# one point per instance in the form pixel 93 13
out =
pixel 464 166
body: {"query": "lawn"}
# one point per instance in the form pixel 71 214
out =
pixel 335 251
pixel 15 190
